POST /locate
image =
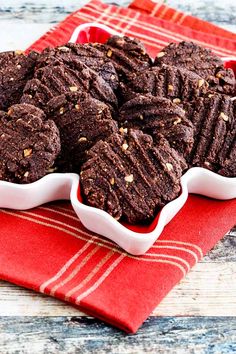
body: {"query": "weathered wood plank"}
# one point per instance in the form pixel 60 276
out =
pixel 24 22
pixel 20 36
pixel 224 250
pixel 43 11
pixel 218 12
pixel 222 13
pixel 201 293
pixel 85 335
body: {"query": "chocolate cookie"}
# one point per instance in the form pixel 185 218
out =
pixel 172 82
pixel 29 144
pixel 178 131
pixel 85 53
pixel 228 155
pixel 130 178
pixel 15 69
pixel 214 120
pixel 128 55
pixel 54 80
pixel 82 121
pixel 229 168
pixel 200 60
pixel 159 116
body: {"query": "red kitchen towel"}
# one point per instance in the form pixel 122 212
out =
pixel 47 248
pixel 163 11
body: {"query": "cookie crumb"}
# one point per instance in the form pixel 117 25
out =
pixel 27 152
pixel 61 110
pixel 83 138
pixel 112 181
pixel 161 54
pixel 200 82
pixel 123 130
pixel 129 178
pixel 109 53
pixel 224 116
pixel 177 121
pixel 63 49
pixel 125 146
pixel 10 111
pixel 73 88
pixel 19 52
pixel 169 166
pixel 176 100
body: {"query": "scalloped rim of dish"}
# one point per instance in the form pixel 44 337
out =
pixel 65 186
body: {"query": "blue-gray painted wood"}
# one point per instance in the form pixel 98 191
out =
pixel 222 13
pixel 211 335
pixel 51 11
pixel 224 251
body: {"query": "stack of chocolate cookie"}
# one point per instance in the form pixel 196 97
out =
pixel 130 126
pixel 193 80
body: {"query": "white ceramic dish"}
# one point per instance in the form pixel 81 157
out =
pixel 65 186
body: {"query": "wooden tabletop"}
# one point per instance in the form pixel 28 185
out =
pixel 198 316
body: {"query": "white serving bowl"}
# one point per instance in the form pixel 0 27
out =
pixel 66 185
